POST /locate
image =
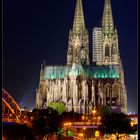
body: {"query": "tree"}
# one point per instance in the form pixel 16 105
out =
pixel 47 123
pixel 40 127
pixel 104 110
pixel 12 131
pixel 117 124
pixel 58 106
pixel 53 120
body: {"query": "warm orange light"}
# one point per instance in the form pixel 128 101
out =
pixel 97 133
pixel 99 117
pixel 94 111
pixel 81 134
pixel 67 123
pixel 83 117
pixel 84 128
pixel 132 124
pixel 120 135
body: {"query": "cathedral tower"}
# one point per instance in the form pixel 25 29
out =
pixel 78 45
pixel 83 87
pixel 105 40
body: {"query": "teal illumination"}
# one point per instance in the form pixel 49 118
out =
pixel 102 76
pixel 61 72
pixel 52 76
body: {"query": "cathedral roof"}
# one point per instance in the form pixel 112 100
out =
pixel 76 70
pixel 97 72
pixel 102 72
pixel 56 72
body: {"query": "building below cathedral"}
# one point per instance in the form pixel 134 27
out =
pixel 81 84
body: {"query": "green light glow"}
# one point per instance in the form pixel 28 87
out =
pixel 60 131
pixel 100 72
pixel 102 76
pixel 59 106
pixel 70 133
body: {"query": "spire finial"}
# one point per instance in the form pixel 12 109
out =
pixel 44 63
pixel 41 72
pixel 41 67
pixel 79 17
pixel 107 21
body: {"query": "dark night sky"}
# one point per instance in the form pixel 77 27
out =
pixel 34 31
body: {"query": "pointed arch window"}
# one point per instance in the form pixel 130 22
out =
pixel 115 91
pixel 114 49
pixel 107 52
pixel 69 50
pixel 76 52
pixel 107 91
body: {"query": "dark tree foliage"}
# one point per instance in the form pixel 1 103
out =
pixel 17 131
pixel 40 127
pixel 104 110
pixel 116 123
pixel 53 120
pixel 47 123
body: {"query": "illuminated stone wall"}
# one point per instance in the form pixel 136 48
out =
pixel 80 89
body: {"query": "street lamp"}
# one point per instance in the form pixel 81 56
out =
pixel 83 117
pixel 98 120
pixel 84 128
pixel 67 124
pixel 94 111
pixel 81 134
pixel 97 133
pixel 94 116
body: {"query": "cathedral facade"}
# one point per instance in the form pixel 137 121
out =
pixel 82 85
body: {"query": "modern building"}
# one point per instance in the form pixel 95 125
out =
pixel 97 45
pixel 80 84
pixel 105 40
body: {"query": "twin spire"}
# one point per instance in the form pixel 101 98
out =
pixel 107 20
pixel 79 23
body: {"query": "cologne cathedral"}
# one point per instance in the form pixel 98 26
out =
pixel 85 83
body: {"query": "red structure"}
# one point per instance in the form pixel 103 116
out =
pixel 10 108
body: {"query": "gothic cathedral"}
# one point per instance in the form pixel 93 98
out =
pixel 82 85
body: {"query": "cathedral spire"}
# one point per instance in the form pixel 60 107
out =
pixel 79 17
pixel 41 73
pixel 107 20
